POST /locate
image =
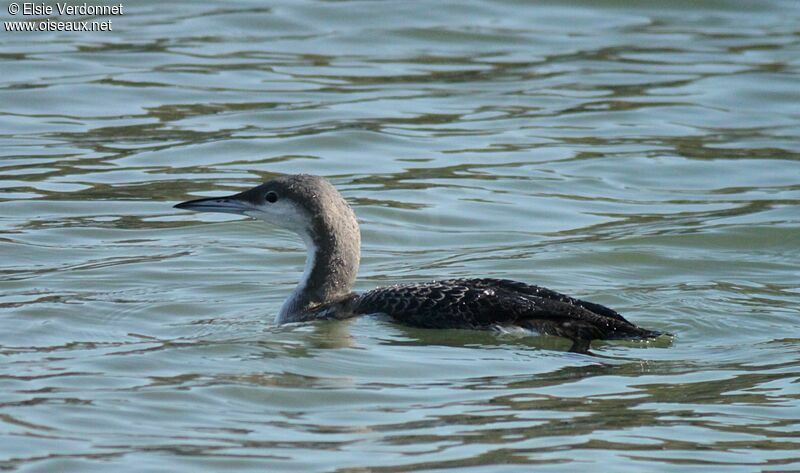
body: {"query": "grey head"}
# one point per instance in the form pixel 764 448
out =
pixel 311 207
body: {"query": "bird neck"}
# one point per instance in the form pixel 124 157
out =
pixel 333 243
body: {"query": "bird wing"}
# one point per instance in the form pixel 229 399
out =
pixel 545 293
pixel 484 303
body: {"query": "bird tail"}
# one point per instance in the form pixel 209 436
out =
pixel 581 345
pixel 633 333
pixel 643 333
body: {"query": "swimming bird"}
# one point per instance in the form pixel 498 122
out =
pixel 311 207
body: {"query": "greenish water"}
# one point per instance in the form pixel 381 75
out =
pixel 641 157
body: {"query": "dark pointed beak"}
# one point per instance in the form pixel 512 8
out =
pixel 232 204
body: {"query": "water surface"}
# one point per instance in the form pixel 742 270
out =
pixel 641 157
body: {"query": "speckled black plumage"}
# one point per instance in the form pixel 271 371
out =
pixel 491 303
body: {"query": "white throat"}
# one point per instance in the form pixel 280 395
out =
pixel 294 301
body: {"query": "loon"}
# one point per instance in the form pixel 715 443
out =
pixel 312 207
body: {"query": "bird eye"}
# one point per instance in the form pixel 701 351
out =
pixel 271 197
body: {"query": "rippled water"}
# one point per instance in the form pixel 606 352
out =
pixel 641 157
